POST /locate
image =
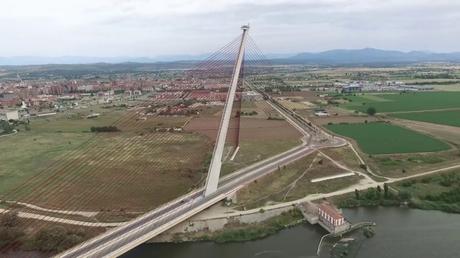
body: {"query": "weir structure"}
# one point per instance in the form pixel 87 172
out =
pixel 215 166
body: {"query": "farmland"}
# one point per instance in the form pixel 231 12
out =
pixel 383 138
pixel 451 118
pixel 130 166
pixel 403 102
pixel 259 136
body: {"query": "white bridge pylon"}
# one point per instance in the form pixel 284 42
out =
pixel 212 179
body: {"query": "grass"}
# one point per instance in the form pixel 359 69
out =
pixel 399 102
pixel 143 172
pixel 37 238
pixel 246 232
pixel 132 170
pixel 432 192
pixel 384 138
pixel 25 154
pixel 346 156
pixel 75 121
pixel 451 118
pixel 29 152
pixel 452 87
pixel 277 187
pixel 252 151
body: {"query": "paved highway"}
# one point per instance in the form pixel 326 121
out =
pixel 122 239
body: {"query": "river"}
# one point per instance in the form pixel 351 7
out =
pixel 400 232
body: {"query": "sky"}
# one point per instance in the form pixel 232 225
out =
pixel 151 28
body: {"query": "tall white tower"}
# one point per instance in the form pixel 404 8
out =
pixel 216 162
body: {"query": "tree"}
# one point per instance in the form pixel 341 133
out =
pixel 371 111
pixel 48 239
pixel 10 219
pixel 357 194
pixel 5 127
pixel 9 230
pixel 57 238
pixel 404 196
pixel 379 191
pixel 385 189
pixel 9 235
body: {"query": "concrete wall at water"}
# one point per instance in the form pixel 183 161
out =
pixel 218 222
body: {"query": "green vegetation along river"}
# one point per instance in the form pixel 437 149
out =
pixel 400 232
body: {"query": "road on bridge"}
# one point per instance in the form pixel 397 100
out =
pixel 124 238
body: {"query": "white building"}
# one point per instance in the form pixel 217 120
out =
pixel 252 96
pixel 12 115
pixel 322 114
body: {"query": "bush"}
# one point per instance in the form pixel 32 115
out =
pixel 452 196
pixel 349 203
pixel 9 231
pixel 5 127
pixel 101 129
pixel 9 235
pixel 10 219
pixel 408 183
pixel 448 180
pixel 50 238
pixel 368 232
pixel 371 111
pixel 404 196
pixel 57 239
pixel 426 180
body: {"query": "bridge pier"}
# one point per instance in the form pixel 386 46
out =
pixel 232 199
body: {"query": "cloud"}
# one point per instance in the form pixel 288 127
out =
pixel 150 28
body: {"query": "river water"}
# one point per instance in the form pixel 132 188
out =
pixel 400 233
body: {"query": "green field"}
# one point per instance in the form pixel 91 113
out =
pixel 382 138
pixel 49 140
pixel 27 153
pixel 400 102
pixel 157 166
pixel 437 117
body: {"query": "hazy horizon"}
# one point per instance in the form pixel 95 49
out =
pixel 209 53
pixel 145 28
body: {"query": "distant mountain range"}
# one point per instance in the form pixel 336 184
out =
pixel 34 60
pixel 372 55
pixel 331 57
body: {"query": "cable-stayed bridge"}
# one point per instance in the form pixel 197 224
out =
pixel 229 66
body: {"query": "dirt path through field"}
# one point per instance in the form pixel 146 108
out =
pixel 446 132
pixel 421 111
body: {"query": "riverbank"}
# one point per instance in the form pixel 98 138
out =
pixel 435 192
pixel 233 227
pixel 400 232
pixel 238 232
pixel 223 224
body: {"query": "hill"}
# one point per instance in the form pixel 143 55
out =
pixel 372 55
